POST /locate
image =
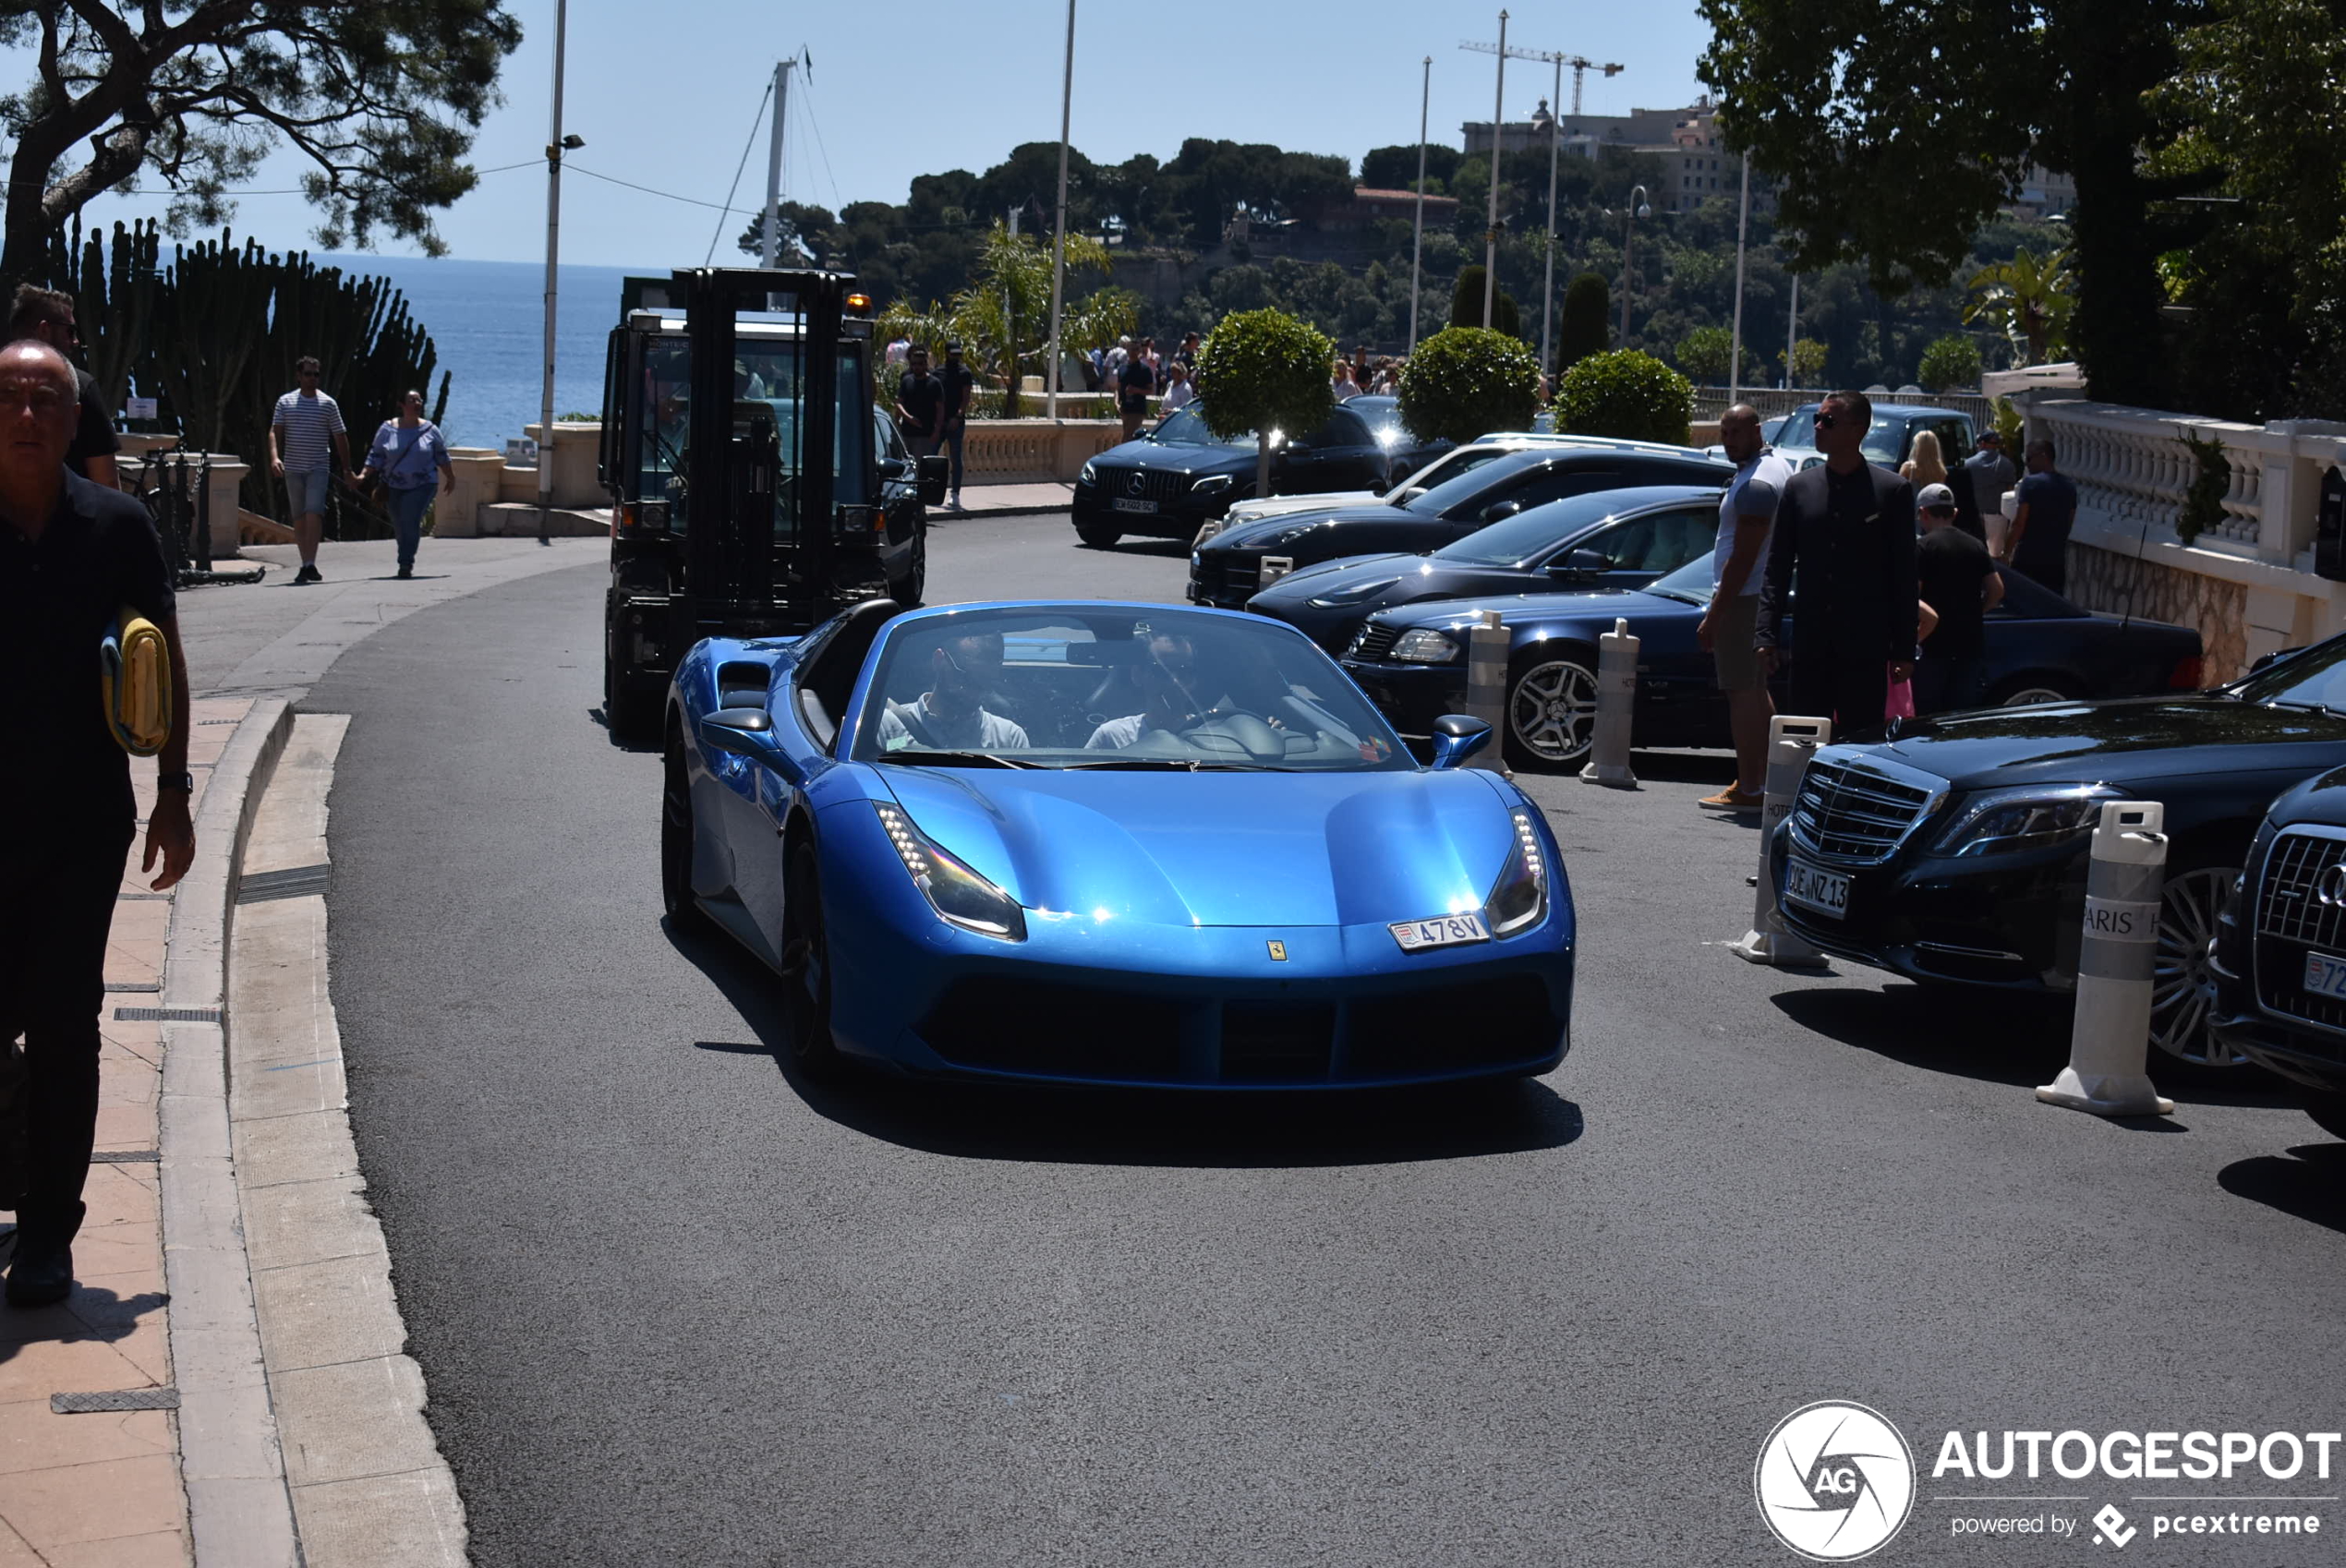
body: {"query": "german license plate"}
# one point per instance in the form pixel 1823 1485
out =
pixel 1446 931
pixel 1813 888
pixel 1121 504
pixel 2326 976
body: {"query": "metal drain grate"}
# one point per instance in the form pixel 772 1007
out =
pixel 120 1399
pixel 166 1015
pixel 294 882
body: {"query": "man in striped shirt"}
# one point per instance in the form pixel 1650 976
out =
pixel 304 436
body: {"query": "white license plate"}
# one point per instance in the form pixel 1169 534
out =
pixel 2326 976
pixel 1121 504
pixel 1812 888
pixel 1448 931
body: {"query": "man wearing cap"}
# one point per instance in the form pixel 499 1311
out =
pixel 1989 473
pixel 953 416
pixel 1960 583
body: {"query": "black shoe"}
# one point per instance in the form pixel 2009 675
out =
pixel 41 1276
pixel 308 574
pixel 405 571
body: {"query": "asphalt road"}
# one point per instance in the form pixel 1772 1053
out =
pixel 677 1308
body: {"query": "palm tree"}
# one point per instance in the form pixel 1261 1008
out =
pixel 2031 298
pixel 1003 317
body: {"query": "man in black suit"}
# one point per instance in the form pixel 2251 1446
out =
pixel 1844 547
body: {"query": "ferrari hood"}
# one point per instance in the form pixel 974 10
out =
pixel 1219 849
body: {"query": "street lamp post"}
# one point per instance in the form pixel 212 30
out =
pixel 556 144
pixel 1416 244
pixel 1058 232
pixel 1734 346
pixel 1792 332
pixel 1548 279
pixel 1491 230
pixel 1638 209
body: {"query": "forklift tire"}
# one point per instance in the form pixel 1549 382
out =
pixel 631 709
pixel 1097 535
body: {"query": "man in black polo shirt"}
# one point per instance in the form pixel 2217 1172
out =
pixel 1961 585
pixel 920 404
pixel 72 557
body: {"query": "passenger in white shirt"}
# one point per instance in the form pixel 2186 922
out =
pixel 1166 673
pixel 1178 393
pixel 949 716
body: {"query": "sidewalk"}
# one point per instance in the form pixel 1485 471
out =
pixel 1007 501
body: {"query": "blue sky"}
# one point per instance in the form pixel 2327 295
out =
pixel 664 95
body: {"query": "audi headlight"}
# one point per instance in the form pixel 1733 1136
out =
pixel 959 895
pixel 1210 484
pixel 1090 475
pixel 1425 646
pixel 2003 820
pixel 1520 895
pixel 1343 597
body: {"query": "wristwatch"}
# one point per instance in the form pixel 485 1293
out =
pixel 183 782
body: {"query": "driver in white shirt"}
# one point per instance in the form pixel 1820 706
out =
pixel 1167 674
pixel 949 716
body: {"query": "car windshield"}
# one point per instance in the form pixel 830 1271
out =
pixel 1458 487
pixel 1450 465
pixel 1517 540
pixel 1885 442
pixel 1384 417
pixel 1691 582
pixel 2313 678
pixel 1187 426
pixel 1083 686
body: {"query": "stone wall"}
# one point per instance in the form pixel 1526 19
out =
pixel 2099 579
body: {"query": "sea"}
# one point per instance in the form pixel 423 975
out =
pixel 488 322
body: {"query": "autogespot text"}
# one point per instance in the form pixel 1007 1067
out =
pixel 2149 1456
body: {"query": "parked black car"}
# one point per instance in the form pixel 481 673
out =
pixel 1168 482
pixel 1957 850
pixel 2279 961
pixel 1227 570
pixel 1609 539
pixel 1406 451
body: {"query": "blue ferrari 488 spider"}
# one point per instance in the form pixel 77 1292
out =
pixel 1109 843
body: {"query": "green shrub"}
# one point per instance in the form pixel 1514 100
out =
pixel 1466 381
pixel 1628 394
pixel 2202 505
pixel 1466 305
pixel 1703 353
pixel 1586 326
pixel 1264 370
pixel 1950 362
pixel 1807 362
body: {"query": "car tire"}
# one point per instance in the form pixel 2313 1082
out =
pixel 915 585
pixel 2027 690
pixel 2183 995
pixel 676 839
pixel 631 706
pixel 1098 535
pixel 2328 1109
pixel 1550 711
pixel 807 949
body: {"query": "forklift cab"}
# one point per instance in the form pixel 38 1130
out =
pixel 753 492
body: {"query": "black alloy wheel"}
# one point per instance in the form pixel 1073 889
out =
pixel 807 958
pixel 1098 535
pixel 685 913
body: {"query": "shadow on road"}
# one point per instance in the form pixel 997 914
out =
pixel 1131 1127
pixel 1685 767
pixel 2308 1184
pixel 1145 547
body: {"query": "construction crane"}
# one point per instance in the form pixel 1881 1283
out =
pixel 1580 65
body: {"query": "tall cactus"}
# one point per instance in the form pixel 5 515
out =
pixel 114 291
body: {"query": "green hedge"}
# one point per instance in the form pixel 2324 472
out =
pixel 1628 394
pixel 1466 381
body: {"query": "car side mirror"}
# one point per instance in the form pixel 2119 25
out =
pixel 1499 508
pixel 936 472
pixel 740 731
pixel 892 467
pixel 1457 737
pixel 2264 659
pixel 1579 561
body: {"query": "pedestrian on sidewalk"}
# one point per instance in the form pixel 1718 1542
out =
pixel 73 554
pixel 1134 382
pixel 953 415
pixel 1341 386
pixel 1956 578
pixel 407 455
pixel 2044 509
pixel 920 400
pixel 48 314
pixel 1187 354
pixel 1730 627
pixel 1844 547
pixel 1178 392
pixel 305 438
pixel 1987 473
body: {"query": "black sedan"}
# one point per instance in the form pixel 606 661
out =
pixel 1957 851
pixel 1230 568
pixel 2279 961
pixel 1610 539
pixel 1406 451
pixel 1170 481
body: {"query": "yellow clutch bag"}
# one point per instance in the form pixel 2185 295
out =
pixel 134 677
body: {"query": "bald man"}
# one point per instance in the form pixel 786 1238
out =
pixel 73 556
pixel 1730 626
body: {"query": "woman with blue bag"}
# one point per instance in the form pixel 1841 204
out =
pixel 407 455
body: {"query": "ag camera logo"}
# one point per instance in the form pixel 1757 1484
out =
pixel 1835 1481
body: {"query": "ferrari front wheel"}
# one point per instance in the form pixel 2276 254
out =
pixel 807 949
pixel 676 840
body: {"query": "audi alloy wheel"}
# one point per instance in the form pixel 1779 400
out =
pixel 2183 988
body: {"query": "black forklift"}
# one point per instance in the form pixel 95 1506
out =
pixel 756 487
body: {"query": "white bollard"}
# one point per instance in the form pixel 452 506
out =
pixel 1791 742
pixel 1616 703
pixel 1487 688
pixel 2109 1038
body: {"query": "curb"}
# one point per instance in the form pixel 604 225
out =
pixel 239 1510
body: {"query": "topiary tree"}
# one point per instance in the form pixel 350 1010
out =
pixel 1467 382
pixel 1950 362
pixel 1807 362
pixel 1587 326
pixel 1703 355
pixel 1466 305
pixel 1262 371
pixel 1628 394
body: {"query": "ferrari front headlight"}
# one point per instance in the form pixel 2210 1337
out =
pixel 1520 895
pixel 960 895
